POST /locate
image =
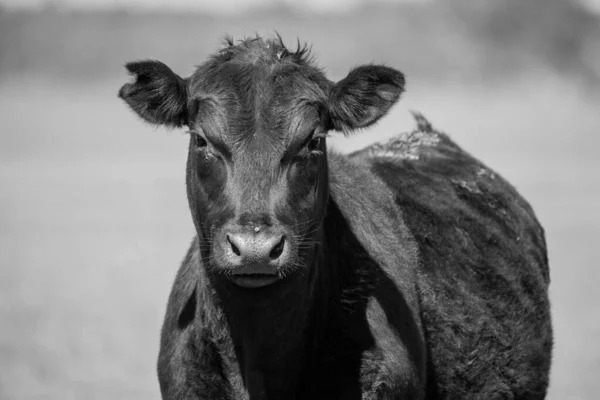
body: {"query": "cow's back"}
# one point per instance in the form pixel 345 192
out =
pixel 483 274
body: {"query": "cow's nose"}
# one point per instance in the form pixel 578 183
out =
pixel 255 248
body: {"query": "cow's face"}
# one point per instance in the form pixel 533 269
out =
pixel 257 163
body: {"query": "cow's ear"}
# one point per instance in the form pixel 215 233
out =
pixel 158 95
pixel 364 96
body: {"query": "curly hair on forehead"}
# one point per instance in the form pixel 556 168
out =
pixel 275 47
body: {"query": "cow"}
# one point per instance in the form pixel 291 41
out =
pixel 405 270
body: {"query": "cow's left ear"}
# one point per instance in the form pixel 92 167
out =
pixel 158 95
pixel 364 96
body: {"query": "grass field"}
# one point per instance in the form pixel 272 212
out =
pixel 94 221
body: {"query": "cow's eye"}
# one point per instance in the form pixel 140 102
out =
pixel 199 140
pixel 314 144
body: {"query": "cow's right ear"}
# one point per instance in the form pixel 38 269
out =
pixel 158 95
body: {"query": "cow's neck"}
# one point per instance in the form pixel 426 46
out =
pixel 270 327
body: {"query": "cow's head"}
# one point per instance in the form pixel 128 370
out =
pixel 258 115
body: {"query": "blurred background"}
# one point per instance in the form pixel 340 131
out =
pixel 93 213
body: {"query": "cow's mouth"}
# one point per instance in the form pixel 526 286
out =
pixel 253 281
pixel 254 276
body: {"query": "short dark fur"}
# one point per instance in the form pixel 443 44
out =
pixel 483 276
pixel 413 271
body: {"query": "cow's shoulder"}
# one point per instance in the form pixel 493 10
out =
pixel 380 257
pixel 367 206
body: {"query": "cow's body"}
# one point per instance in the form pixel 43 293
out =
pixel 435 286
pixel 407 270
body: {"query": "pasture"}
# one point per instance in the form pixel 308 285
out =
pixel 94 222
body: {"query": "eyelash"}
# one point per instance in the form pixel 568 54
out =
pixel 310 148
pixel 313 145
pixel 199 141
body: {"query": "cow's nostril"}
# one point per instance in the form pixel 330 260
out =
pixel 233 247
pixel 278 249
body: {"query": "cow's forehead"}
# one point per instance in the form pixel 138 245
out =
pixel 259 88
pixel 257 64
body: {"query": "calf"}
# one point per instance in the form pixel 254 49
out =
pixel 407 270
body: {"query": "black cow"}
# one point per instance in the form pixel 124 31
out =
pixel 407 270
